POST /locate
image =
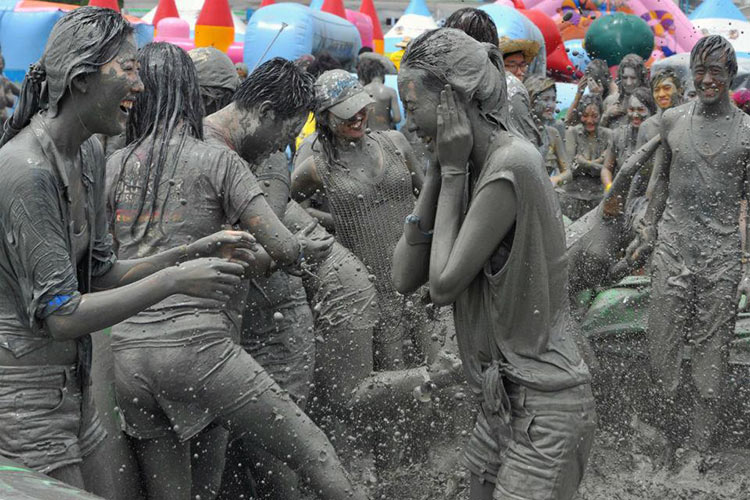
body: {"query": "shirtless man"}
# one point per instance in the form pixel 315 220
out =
pixel 384 113
pixel 700 177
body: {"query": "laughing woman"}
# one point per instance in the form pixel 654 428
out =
pixel 56 254
pixel 488 235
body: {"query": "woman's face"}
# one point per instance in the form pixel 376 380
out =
pixel 351 129
pixel 545 103
pixel 637 112
pixel 111 92
pixel 629 80
pixel 420 104
pixel 590 118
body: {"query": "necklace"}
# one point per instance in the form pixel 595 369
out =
pixel 707 154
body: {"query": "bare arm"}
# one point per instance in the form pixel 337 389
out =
pixel 609 167
pixel 305 179
pixel 563 161
pixel 273 176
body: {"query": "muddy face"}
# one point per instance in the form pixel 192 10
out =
pixel 665 93
pixel 545 103
pixel 711 78
pixel 637 112
pixel 267 135
pixel 590 118
pixel 420 104
pixel 629 80
pixel 350 128
pixel 112 91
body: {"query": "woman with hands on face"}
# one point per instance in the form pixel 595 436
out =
pixel 487 235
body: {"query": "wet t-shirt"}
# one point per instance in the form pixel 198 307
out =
pixel 701 218
pixel 586 185
pixel 203 189
pixel 39 274
pixel 516 310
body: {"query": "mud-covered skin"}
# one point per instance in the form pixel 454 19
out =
pixel 699 180
pixel 511 204
pixel 385 113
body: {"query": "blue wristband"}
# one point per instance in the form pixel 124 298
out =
pixel 415 219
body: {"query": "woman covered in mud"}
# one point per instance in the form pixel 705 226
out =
pixel 169 187
pixel 487 234
pixel 368 182
pixel 59 278
pixel 543 97
pixel 640 107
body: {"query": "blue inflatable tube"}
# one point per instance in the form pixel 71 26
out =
pixel 308 32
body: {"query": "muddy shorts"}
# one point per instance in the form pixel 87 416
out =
pixel 544 453
pixel 277 330
pixel 46 420
pixel 182 387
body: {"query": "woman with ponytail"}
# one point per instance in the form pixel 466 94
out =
pixel 487 234
pixel 59 278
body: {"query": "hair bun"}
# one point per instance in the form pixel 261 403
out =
pixel 37 74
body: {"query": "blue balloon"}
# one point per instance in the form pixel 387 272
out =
pixel 577 54
pixel 308 31
pixel 514 25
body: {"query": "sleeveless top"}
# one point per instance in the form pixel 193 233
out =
pixel 514 318
pixel 368 216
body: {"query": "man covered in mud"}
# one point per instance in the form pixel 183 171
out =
pixel 700 177
pixel 385 113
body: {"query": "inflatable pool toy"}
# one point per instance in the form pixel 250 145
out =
pixel 415 20
pixel 559 66
pixel 513 25
pixel 214 26
pixel 368 8
pixel 614 36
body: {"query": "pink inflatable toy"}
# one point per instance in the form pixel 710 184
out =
pixel 177 32
pixel 363 23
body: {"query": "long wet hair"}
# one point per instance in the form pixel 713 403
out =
pixel 475 23
pixel 634 62
pixel 170 106
pixel 81 42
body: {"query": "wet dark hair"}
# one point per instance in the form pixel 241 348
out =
pixel 280 81
pixel 634 62
pixel 715 43
pixel 323 62
pixel 665 74
pixel 81 42
pixel 364 49
pixel 215 98
pixel 368 69
pixel 589 100
pixel 169 106
pixel 475 23
pixel 599 71
pixel 645 95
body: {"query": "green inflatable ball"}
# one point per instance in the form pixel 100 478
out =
pixel 614 36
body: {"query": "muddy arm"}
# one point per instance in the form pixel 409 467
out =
pixel 614 200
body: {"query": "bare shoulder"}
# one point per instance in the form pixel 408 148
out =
pixel 515 153
pixel 399 140
pixel 674 115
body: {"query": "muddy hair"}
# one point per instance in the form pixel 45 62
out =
pixel 537 84
pixel 475 23
pixel 645 95
pixel 599 71
pixel 659 76
pixel 81 42
pixel 170 106
pixel 589 100
pixel 287 86
pixel 635 62
pixel 323 62
pixel 368 69
pixel 715 43
pixel 215 98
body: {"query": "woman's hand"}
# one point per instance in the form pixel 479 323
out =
pixel 223 244
pixel 582 83
pixel 208 278
pixel 314 248
pixel 455 139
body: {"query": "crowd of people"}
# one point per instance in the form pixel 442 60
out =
pixel 273 317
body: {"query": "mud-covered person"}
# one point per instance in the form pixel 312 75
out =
pixel 586 144
pixel 217 77
pixel 692 223
pixel 8 92
pixel 640 107
pixel 631 74
pixel 59 278
pixel 543 97
pixel 168 185
pixel 502 238
pixel 385 113
pixel 598 80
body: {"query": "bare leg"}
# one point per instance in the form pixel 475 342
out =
pixel 70 474
pixel 165 465
pixel 207 457
pixel 275 423
pixel 96 469
pixel 480 490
